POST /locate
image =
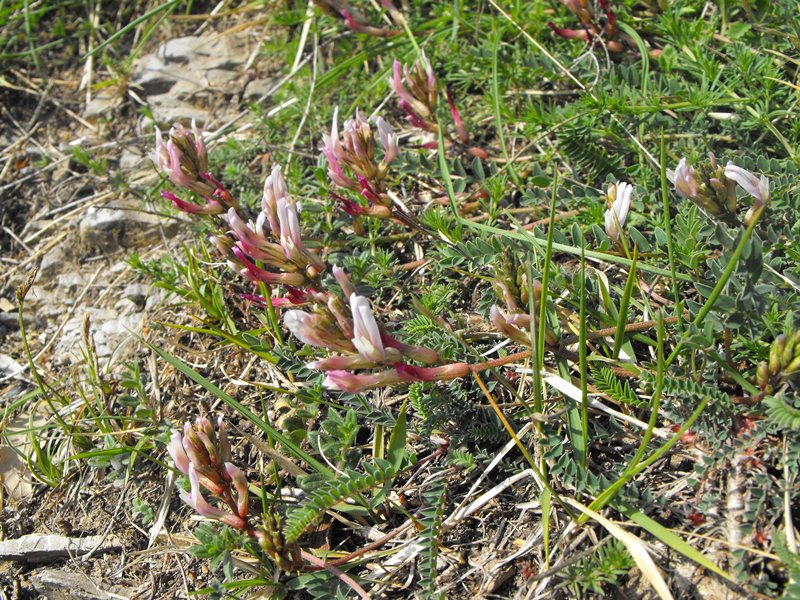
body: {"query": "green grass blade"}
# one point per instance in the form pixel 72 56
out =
pixel 498 120
pixel 584 368
pixel 624 305
pixel 667 537
pixel 271 432
pixel 668 229
pixel 169 6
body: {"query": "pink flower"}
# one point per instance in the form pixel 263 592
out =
pixel 418 353
pixel 237 477
pixel 274 189
pixel 402 373
pixel 683 177
pixel 289 224
pixel 316 330
pixel 196 500
pixel 177 453
pixel 183 158
pixel 399 88
pixel 334 153
pixel 344 281
pixel 757 187
pixel 339 363
pixel 510 325
pixel 244 266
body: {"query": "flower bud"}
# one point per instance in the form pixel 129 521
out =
pixel 763 374
pixel 775 353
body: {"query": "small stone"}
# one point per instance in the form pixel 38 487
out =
pixel 221 78
pixel 101 105
pixel 180 50
pixel 136 293
pixel 125 307
pixel 9 321
pixel 71 282
pixel 101 228
pixel 35 548
pixel 131 160
pixel 188 75
pixel 257 89
pixel 8 366
pixel 53 262
pixel 122 225
pixel 56 584
pixel 156 297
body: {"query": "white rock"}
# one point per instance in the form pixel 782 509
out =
pixel 35 548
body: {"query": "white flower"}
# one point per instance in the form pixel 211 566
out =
pixel 366 334
pixel 617 213
pixel 684 180
pixel 757 187
pixel 388 140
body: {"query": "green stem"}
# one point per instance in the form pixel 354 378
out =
pixel 723 281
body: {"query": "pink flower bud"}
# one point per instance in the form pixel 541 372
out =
pixel 346 381
pixel 212 207
pixel 461 130
pixel 240 485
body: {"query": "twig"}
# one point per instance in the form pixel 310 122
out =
pixel 318 562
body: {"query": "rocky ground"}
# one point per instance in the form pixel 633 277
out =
pixel 77 186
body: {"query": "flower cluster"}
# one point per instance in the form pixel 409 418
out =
pixel 353 18
pixel 183 159
pixel 592 26
pixel 273 239
pixel 362 344
pixel 512 287
pixel 203 453
pixel 714 189
pixel 419 94
pixel 418 91
pixel 268 250
pixel 355 150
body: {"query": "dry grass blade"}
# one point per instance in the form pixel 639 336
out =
pixel 636 548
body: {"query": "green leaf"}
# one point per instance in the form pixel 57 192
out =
pixel 669 538
pixel 397 441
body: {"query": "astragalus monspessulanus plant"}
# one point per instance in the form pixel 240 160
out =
pixel 361 343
